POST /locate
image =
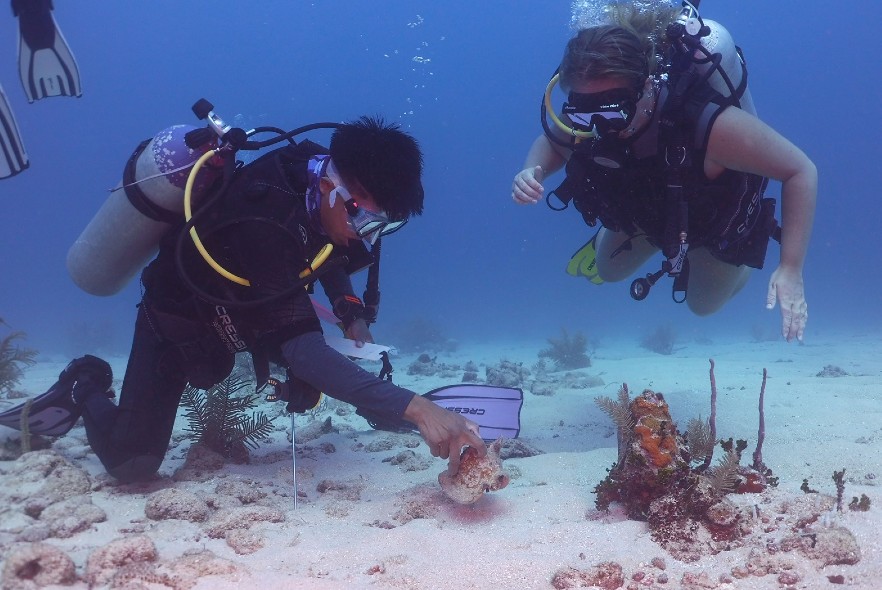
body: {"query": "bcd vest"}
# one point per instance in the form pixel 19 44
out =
pixel 728 214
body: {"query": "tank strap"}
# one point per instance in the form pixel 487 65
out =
pixel 739 92
pixel 136 196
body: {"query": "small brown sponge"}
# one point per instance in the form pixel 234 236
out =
pixel 243 517
pixel 174 503
pixel 35 565
pixel 103 563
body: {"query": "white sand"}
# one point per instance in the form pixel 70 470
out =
pixel 379 525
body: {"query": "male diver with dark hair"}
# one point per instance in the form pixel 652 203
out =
pixel 266 223
pixel 46 67
pixel 662 145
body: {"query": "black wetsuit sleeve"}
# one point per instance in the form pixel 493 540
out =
pixel 336 283
pixel 309 358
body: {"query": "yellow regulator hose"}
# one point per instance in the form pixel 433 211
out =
pixel 317 261
pixel 320 258
pixel 188 215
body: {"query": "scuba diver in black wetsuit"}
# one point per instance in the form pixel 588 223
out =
pixel 662 145
pixel 232 279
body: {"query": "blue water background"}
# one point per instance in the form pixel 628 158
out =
pixel 466 79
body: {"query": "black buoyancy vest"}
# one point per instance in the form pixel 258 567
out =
pixel 723 213
pixel 258 229
pixel 262 210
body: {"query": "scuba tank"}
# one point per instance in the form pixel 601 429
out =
pixel 125 233
pixel 718 41
pixel 702 51
pixel 155 197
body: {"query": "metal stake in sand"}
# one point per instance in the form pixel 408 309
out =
pixel 294 458
pixel 712 421
pixel 761 434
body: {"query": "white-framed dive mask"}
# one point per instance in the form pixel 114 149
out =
pixel 368 225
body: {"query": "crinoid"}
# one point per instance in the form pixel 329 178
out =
pixel 724 478
pixel 568 351
pixel 217 417
pixel 12 360
pixel 620 412
pixel 699 439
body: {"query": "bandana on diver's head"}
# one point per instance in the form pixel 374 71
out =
pixel 604 112
pixel 315 169
pixel 368 225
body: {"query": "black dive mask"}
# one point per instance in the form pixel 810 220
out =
pixel 604 112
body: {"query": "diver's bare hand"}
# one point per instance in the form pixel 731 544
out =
pixel 527 188
pixel 445 432
pixel 358 330
pixel 787 289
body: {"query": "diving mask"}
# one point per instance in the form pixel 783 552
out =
pixel 602 113
pixel 368 225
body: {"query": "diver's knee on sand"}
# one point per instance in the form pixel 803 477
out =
pixel 140 468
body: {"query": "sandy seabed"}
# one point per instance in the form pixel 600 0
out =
pixel 370 513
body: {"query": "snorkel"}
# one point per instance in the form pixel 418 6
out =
pixel 548 111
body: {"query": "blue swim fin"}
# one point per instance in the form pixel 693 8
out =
pixel 45 62
pixel 496 409
pixel 13 158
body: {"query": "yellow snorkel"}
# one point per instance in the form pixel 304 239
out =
pixel 548 110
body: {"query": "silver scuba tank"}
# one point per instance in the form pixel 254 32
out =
pixel 720 41
pixel 125 232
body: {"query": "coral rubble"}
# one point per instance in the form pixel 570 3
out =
pixel 507 374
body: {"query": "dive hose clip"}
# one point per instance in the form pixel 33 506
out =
pixel 298 394
pixel 676 267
